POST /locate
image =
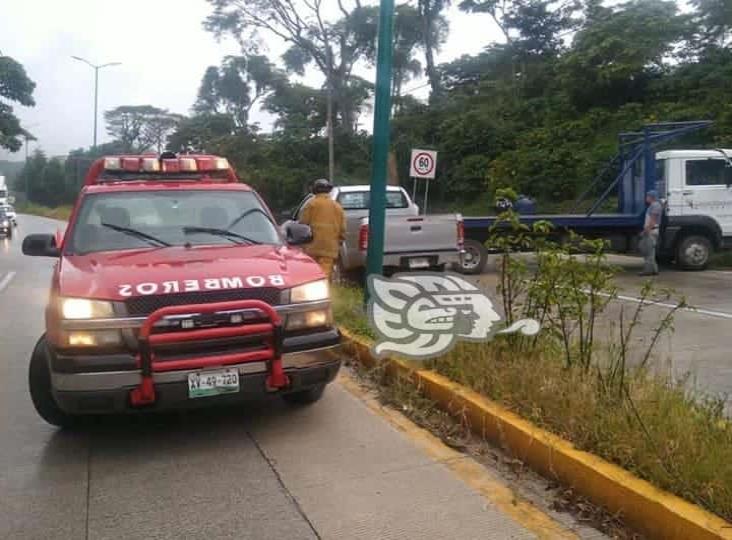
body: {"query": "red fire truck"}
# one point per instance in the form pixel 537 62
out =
pixel 174 288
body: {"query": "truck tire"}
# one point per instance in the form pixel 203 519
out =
pixel 474 258
pixel 39 382
pixel 693 252
pixel 305 397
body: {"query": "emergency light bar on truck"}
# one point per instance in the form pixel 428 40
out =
pixel 167 166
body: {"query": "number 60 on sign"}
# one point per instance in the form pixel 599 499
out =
pixel 423 163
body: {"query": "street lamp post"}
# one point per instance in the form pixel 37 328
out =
pixel 96 68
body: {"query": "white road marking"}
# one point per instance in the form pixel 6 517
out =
pixel 699 311
pixel 6 280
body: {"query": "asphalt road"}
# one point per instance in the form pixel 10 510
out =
pixel 337 469
pixel 699 347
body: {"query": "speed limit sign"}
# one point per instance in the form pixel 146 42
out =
pixel 423 164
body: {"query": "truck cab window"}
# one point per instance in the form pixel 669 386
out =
pixel 360 200
pixel 708 172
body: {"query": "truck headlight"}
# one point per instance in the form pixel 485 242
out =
pixel 309 319
pixel 81 308
pixel 92 338
pixel 310 292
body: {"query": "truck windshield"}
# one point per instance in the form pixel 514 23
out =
pixel 133 220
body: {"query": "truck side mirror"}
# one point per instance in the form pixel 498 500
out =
pixel 40 245
pixel 298 234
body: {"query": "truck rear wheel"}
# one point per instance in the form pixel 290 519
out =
pixel 693 252
pixel 305 397
pixel 39 382
pixel 474 258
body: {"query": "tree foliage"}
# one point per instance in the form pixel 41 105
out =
pixel 333 47
pixel 233 88
pixel 537 111
pixel 140 128
pixel 15 87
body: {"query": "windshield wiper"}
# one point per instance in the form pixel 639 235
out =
pixel 230 235
pixel 137 234
pixel 251 211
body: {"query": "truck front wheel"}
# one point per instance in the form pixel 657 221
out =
pixel 474 258
pixel 39 381
pixel 693 252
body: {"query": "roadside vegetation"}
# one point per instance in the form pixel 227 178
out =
pixel 584 377
pixel 537 109
pixel 60 212
pixel 722 260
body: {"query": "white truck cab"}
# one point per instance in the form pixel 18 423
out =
pixel 696 186
pixel 3 192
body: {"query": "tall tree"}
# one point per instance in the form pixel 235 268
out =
pixel 15 86
pixel 140 128
pixel 408 38
pixel 201 133
pixel 614 56
pixel 235 86
pixel 530 28
pixel 434 32
pixel 300 109
pixel 159 127
pixel 333 47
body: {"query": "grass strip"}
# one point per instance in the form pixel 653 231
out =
pixel 60 212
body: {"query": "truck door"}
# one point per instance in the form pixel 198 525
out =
pixel 707 191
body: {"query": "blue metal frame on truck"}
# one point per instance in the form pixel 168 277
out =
pixel 637 175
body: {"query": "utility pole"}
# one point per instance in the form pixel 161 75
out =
pixel 382 110
pixel 27 137
pixel 329 112
pixel 96 69
pixel 331 149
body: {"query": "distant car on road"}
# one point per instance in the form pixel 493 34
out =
pixel 10 211
pixel 6 224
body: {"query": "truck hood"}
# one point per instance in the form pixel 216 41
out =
pixel 120 275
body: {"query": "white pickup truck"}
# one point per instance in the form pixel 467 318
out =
pixel 411 241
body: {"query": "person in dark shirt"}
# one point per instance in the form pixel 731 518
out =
pixel 649 236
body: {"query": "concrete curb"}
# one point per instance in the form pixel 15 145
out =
pixel 651 511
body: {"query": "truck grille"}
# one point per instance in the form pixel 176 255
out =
pixel 144 305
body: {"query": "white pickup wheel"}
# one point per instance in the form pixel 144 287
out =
pixel 474 258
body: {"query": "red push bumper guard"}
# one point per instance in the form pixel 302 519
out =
pixel 144 393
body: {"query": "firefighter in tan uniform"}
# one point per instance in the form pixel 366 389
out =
pixel 328 223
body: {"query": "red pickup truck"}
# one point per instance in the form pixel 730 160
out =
pixel 174 288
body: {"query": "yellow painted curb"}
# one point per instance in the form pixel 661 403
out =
pixel 651 511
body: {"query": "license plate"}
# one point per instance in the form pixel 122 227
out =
pixel 213 383
pixel 421 262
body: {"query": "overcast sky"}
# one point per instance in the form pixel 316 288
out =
pixel 164 51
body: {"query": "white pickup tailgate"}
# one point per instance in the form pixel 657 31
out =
pixel 418 234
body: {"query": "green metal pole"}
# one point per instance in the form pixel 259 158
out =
pixel 382 110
